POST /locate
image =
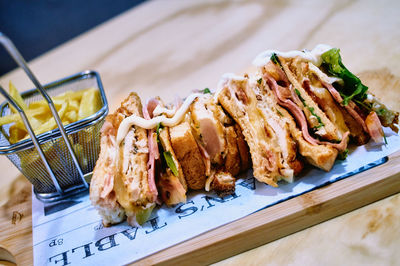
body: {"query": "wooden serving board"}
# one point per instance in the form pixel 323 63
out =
pixel 252 231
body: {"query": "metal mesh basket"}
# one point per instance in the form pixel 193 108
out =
pixel 84 135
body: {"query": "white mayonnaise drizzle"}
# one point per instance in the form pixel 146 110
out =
pixel 313 56
pixel 225 79
pixel 135 120
pixel 162 110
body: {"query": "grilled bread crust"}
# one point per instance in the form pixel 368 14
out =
pixel 238 98
pixel 188 155
pixel 329 131
pixel 132 184
pixel 108 192
pixel 105 200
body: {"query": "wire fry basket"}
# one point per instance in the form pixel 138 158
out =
pixel 59 162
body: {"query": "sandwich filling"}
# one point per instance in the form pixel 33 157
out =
pixel 300 106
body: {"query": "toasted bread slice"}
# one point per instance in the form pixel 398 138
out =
pixel 207 129
pixel 132 185
pixel 172 188
pixel 237 150
pixel 223 183
pixel 321 156
pixel 188 154
pixel 244 153
pixel 238 98
pixel 111 190
pixel 316 118
pixel 336 113
pixel 165 141
pixel 273 116
pixel 232 160
pixel 102 194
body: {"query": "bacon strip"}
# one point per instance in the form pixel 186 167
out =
pixel 154 153
pixel 285 98
pixel 349 107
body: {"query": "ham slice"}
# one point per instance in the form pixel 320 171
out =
pixel 108 185
pixel 350 107
pixel 374 127
pixel 285 95
pixel 206 158
pixel 109 132
pixel 154 154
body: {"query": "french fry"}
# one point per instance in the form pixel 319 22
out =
pixel 17 97
pixel 40 104
pixel 8 119
pixel 71 106
pixel 71 95
pixel 51 123
pixel 90 103
pixel 71 116
pixel 17 132
pixel 59 99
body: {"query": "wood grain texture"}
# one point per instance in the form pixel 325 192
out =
pixel 285 218
pixel 172 47
pixel 16 222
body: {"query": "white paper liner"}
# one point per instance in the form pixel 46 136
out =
pixel 71 231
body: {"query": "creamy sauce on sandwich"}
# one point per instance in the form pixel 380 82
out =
pixel 313 56
pixel 159 110
pixel 225 79
pixel 135 120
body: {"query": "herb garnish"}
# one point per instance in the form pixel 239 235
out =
pixel 279 113
pixel 206 90
pixel 301 98
pixel 353 88
pixel 259 81
pixel 311 109
pixel 158 128
pixel 274 58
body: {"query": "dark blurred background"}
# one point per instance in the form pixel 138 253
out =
pixel 36 26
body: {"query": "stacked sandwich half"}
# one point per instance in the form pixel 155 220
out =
pixel 299 107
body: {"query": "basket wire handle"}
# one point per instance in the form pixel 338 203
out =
pixel 33 136
pixel 14 53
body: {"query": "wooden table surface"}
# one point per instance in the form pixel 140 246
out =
pixel 172 47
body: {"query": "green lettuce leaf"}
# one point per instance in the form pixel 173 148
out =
pixel 170 162
pixel 343 155
pixel 353 88
pixel 143 215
